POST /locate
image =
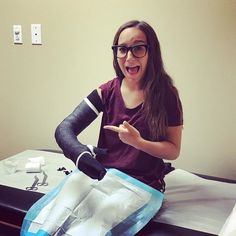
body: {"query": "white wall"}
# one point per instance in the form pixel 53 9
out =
pixel 40 85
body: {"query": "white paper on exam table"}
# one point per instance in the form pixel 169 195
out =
pixel 20 179
pixel 229 228
pixel 196 203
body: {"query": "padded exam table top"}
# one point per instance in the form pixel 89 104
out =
pixel 15 202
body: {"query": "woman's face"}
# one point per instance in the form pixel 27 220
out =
pixel 132 67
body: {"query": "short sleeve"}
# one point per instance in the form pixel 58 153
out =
pixel 106 90
pixel 174 110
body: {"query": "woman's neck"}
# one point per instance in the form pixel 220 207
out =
pixel 131 85
pixel 131 93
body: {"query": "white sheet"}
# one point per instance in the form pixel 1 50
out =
pixel 229 228
pixel 20 179
pixel 196 203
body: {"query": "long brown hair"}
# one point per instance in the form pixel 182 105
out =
pixel 156 83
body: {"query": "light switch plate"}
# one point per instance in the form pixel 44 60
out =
pixel 17 34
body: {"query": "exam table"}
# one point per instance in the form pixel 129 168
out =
pixel 15 202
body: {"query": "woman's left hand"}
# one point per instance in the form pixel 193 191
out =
pixel 127 133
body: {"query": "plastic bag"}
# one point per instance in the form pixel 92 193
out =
pixel 79 205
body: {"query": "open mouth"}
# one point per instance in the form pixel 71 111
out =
pixel 133 70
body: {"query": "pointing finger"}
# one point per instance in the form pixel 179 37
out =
pixel 112 128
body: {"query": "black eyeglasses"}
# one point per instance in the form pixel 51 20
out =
pixel 137 51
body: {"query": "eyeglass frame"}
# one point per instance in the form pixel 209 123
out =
pixel 115 47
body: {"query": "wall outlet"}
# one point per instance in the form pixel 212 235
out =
pixel 36 34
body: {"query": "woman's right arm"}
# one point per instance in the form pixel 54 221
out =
pixel 67 131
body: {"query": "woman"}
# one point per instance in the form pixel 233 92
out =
pixel 141 126
pixel 142 113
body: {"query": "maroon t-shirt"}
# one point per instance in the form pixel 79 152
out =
pixel 124 157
